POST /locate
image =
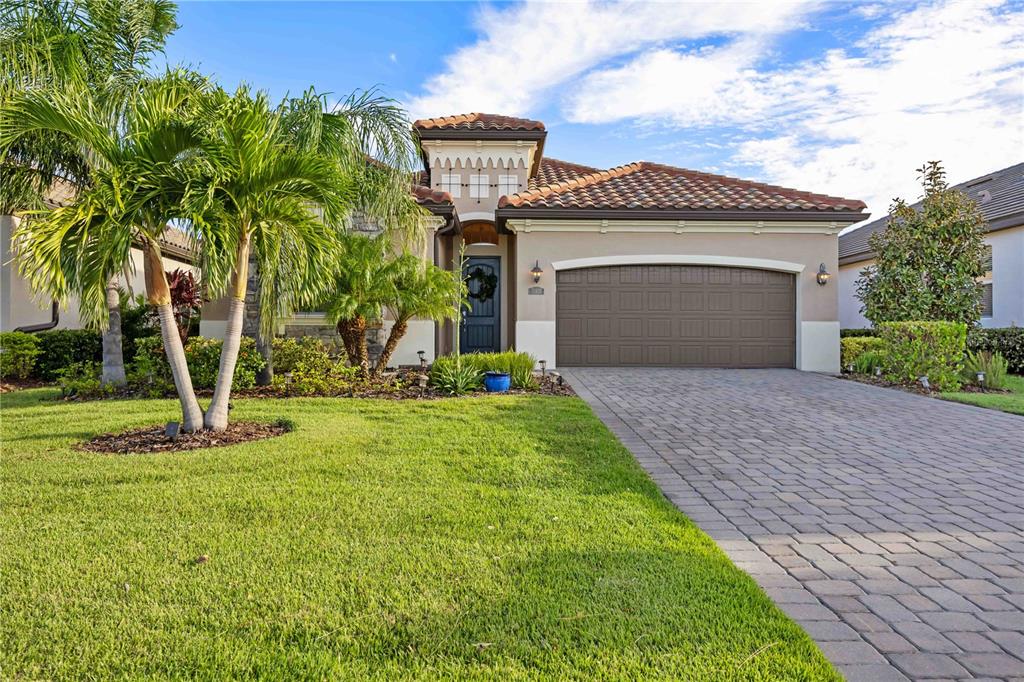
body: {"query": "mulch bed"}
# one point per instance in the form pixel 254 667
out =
pixel 916 388
pixel 19 384
pixel 152 438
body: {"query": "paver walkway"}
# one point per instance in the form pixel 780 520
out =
pixel 889 525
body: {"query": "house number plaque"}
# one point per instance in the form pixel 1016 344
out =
pixel 535 291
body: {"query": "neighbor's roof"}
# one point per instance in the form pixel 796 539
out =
pixel 552 171
pixel 426 196
pixel 478 121
pixel 650 186
pixel 1000 196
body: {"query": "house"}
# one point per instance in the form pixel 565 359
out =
pixel 1000 196
pixel 643 264
pixel 21 309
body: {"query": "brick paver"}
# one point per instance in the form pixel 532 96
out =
pixel 889 525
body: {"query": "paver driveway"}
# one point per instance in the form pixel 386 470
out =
pixel 889 525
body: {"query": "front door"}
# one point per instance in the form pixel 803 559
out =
pixel 481 323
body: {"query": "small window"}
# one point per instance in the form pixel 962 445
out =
pixel 986 300
pixel 452 183
pixel 507 184
pixel 478 186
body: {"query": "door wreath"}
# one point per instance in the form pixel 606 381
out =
pixel 486 284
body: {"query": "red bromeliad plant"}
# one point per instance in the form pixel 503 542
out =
pixel 185 299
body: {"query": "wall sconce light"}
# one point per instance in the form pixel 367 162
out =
pixel 536 272
pixel 823 275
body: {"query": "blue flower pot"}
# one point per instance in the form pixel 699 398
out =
pixel 497 382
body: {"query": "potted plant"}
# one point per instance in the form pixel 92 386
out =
pixel 497 382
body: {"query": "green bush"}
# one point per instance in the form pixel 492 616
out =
pixel 852 347
pixel 931 349
pixel 82 380
pixel 456 376
pixel 519 367
pixel 1007 341
pixel 854 333
pixel 869 361
pixel 994 366
pixel 64 347
pixel 18 353
pixel 290 353
pixel 149 373
pixel 317 376
pixel 203 356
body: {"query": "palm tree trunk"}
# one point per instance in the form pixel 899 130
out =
pixel 353 336
pixel 113 355
pixel 159 296
pixel 398 330
pixel 217 415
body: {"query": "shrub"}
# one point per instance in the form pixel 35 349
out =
pixel 854 333
pixel 82 380
pixel 64 347
pixel 317 376
pixel 203 356
pixel 992 364
pixel 1007 341
pixel 852 347
pixel 519 366
pixel 18 353
pixel 869 361
pixel 149 373
pixel 931 349
pixel 456 376
pixel 289 353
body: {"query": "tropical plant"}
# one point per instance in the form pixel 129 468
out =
pixel 139 175
pixel 929 260
pixel 54 46
pixel 451 375
pixel 992 365
pixel 420 289
pixel 364 283
pixel 1007 341
pixel 186 300
pixel 869 362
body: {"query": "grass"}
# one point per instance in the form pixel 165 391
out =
pixel 1012 402
pixel 482 538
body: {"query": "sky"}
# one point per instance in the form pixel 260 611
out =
pixel 843 98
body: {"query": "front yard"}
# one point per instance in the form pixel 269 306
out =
pixel 1012 402
pixel 475 538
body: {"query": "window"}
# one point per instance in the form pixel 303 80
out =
pixel 507 184
pixel 452 183
pixel 478 186
pixel 986 299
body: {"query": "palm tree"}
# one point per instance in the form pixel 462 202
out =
pixel 53 45
pixel 419 290
pixel 364 283
pixel 138 177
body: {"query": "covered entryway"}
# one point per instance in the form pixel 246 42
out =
pixel 675 316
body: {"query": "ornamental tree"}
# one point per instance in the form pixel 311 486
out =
pixel 928 259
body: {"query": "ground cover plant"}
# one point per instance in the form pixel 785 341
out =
pixel 491 537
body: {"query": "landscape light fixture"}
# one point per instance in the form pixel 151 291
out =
pixel 423 358
pixel 980 376
pixel 543 367
pixel 823 275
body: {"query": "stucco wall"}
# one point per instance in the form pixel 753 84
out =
pixel 850 316
pixel 817 306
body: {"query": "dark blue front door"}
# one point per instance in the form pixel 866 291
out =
pixel 481 323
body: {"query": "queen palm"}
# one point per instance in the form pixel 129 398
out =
pixel 138 177
pixel 56 46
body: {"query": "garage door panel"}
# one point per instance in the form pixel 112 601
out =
pixel 675 315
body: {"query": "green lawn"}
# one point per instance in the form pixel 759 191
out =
pixel 1007 402
pixel 482 538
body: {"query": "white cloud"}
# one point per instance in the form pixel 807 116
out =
pixel 941 81
pixel 393 58
pixel 526 51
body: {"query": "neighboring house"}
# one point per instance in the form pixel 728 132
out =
pixel 643 264
pixel 21 308
pixel 1000 196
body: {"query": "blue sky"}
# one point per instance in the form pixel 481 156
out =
pixel 843 98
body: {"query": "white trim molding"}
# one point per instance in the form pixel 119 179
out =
pixel 671 259
pixel 527 225
pixel 470 216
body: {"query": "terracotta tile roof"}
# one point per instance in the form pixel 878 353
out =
pixel 646 185
pixel 477 121
pixel 552 171
pixel 426 196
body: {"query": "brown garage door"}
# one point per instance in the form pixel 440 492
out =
pixel 675 315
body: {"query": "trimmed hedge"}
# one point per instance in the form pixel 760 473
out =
pixel 931 349
pixel 854 333
pixel 18 353
pixel 853 347
pixel 1007 341
pixel 62 348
